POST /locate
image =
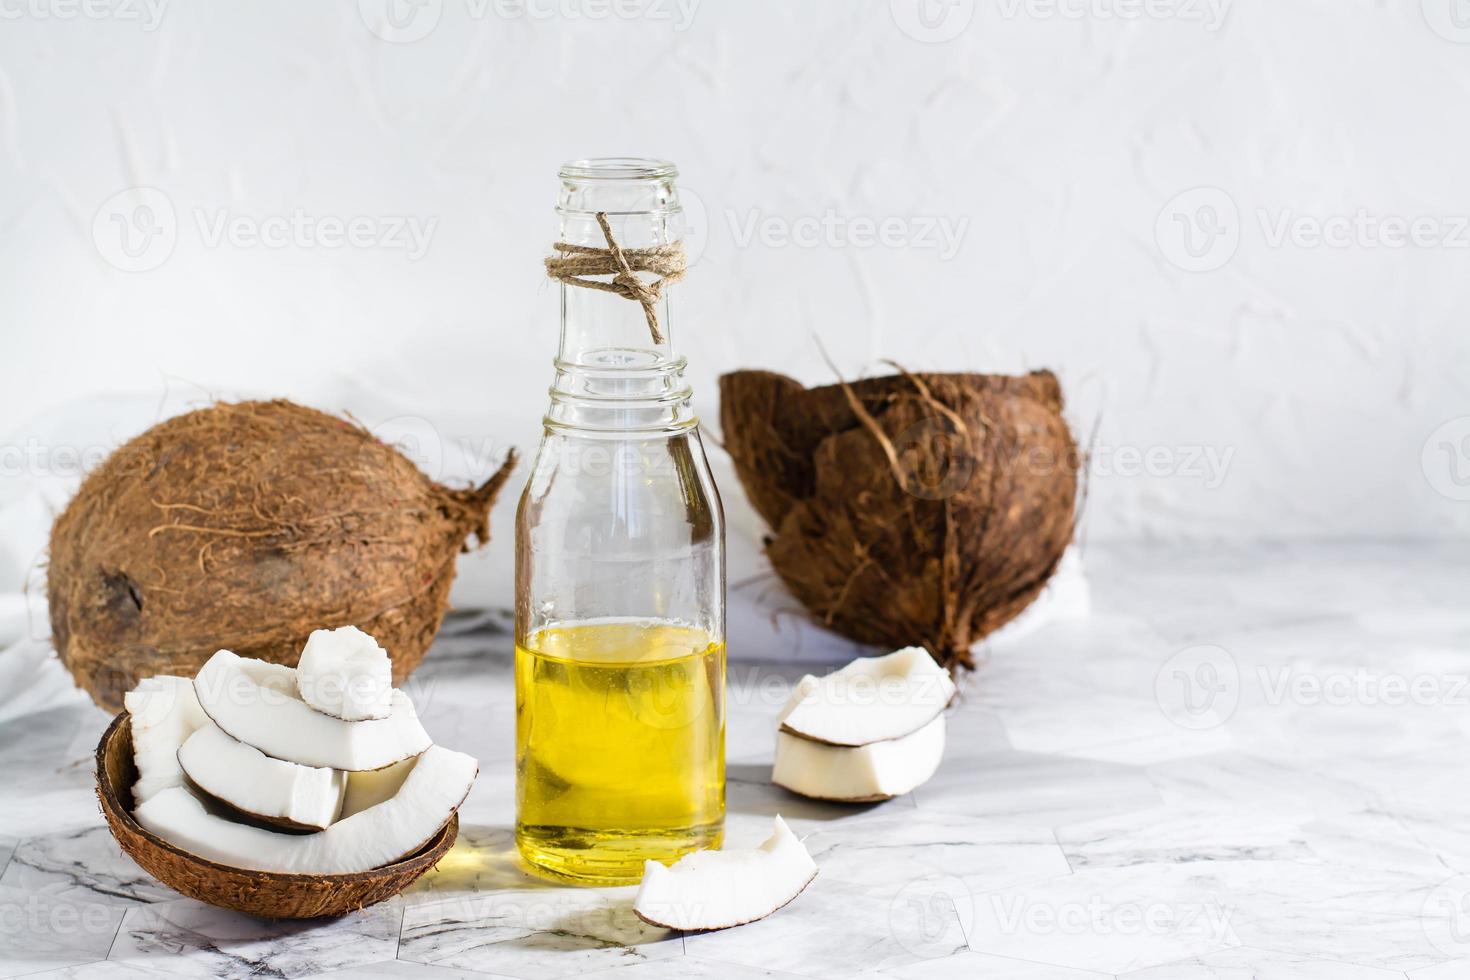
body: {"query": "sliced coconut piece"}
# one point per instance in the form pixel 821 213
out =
pixel 719 889
pixel 871 699
pixel 257 703
pixel 276 792
pixel 393 829
pixel 345 674
pixel 862 773
pixel 163 713
pixel 368 789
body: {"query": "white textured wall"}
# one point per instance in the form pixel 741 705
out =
pixel 1285 388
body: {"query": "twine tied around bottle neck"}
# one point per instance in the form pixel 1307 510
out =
pixel 573 264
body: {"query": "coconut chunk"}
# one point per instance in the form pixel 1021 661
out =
pixel 719 889
pixel 293 796
pixel 368 789
pixel 258 703
pixel 163 713
pixel 859 774
pixel 871 699
pixel 345 674
pixel 436 785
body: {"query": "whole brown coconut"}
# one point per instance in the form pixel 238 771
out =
pixel 923 509
pixel 245 527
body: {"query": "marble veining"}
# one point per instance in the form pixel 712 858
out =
pixel 1077 829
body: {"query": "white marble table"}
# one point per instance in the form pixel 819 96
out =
pixel 1247 763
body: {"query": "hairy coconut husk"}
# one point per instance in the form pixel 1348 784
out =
pixel 245 527
pixel 263 893
pixel 909 509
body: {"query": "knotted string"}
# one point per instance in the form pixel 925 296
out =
pixel 573 264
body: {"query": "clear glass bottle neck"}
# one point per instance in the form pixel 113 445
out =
pixel 611 375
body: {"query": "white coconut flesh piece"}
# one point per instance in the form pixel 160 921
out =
pixel 284 793
pixel 162 713
pixel 345 674
pixel 379 835
pixel 719 889
pixel 871 699
pixel 368 789
pixel 862 773
pixel 258 703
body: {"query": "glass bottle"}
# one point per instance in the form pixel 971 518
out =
pixel 620 572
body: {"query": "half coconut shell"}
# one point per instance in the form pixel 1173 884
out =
pixel 260 893
pixel 908 509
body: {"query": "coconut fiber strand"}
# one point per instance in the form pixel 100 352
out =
pixel 245 527
pixel 921 509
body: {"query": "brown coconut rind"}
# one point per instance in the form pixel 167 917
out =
pixel 871 798
pixel 912 508
pixel 260 893
pixel 245 527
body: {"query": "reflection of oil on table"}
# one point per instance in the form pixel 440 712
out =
pixel 1242 761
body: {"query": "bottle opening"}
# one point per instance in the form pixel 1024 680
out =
pixel 618 168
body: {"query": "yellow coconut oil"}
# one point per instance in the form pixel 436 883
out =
pixel 620 746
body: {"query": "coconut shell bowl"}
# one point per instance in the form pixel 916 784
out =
pixel 260 893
